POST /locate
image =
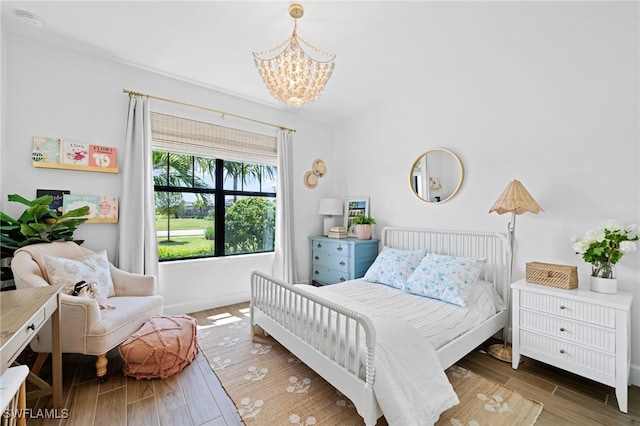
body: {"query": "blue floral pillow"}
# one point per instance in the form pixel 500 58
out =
pixel 446 278
pixel 393 267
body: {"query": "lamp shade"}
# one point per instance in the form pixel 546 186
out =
pixel 515 199
pixel 330 206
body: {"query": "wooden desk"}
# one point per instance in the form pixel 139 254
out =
pixel 22 314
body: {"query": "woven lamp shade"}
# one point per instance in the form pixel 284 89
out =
pixel 515 199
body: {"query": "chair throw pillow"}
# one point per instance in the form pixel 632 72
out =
pixel 393 267
pixel 446 278
pixel 163 346
pixel 91 268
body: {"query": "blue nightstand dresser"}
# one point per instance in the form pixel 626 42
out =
pixel 336 260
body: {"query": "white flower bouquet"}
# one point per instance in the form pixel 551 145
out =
pixel 605 246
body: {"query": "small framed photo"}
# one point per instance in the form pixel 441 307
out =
pixel 354 206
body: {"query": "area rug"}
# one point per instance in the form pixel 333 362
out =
pixel 270 386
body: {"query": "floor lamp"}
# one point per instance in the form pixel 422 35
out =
pixel 515 199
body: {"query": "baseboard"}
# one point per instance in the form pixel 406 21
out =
pixel 204 304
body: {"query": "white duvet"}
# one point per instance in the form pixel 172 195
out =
pixel 410 384
pixel 437 321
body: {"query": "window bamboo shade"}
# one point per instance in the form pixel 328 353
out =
pixel 177 134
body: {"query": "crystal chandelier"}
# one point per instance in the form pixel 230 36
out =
pixel 292 76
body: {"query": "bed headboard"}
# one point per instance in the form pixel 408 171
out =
pixel 492 246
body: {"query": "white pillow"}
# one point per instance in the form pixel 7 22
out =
pixel 446 278
pixel 91 268
pixel 393 267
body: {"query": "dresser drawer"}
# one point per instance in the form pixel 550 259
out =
pixel 337 260
pixel 332 247
pixel 331 260
pixel 326 275
pixel 567 352
pixel 568 308
pixel 570 331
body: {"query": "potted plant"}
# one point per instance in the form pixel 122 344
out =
pixel 36 224
pixel 363 226
pixel 603 248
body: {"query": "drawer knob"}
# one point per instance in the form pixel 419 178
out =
pixel 563 307
pixel 563 329
pixel 319 245
pixel 32 327
pixel 562 351
pixel 317 258
pixel 342 263
pixel 342 279
pixel 339 249
pixel 316 272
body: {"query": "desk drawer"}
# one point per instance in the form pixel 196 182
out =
pixel 22 337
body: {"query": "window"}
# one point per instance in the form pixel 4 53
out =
pixel 206 205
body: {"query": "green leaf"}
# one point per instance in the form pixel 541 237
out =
pixel 76 213
pixel 19 199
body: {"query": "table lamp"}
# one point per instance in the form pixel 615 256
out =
pixel 330 207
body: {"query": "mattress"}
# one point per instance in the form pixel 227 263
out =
pixel 435 320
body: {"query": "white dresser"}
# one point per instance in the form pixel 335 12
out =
pixel 577 330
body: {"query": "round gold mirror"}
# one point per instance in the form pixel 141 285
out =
pixel 436 176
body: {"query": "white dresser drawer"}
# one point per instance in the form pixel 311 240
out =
pixel 563 329
pixel 568 308
pixel 567 352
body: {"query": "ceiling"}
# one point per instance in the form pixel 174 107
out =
pixel 383 49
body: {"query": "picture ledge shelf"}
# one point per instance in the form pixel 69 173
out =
pixel 72 167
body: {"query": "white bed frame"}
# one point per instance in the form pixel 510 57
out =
pixel 279 309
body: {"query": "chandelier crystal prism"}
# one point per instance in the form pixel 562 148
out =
pixel 290 74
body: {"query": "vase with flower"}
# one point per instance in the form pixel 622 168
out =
pixel 603 248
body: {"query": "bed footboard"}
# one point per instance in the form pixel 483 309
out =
pixel 336 342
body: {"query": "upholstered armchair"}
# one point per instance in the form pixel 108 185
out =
pixel 86 328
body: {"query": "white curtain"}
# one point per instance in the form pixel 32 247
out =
pixel 284 264
pixel 137 249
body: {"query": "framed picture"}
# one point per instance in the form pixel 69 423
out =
pixel 354 206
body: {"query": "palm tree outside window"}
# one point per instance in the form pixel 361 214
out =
pixel 209 206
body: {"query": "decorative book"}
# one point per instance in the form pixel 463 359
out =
pixel 337 235
pixel 101 207
pixel 75 153
pixel 108 207
pixel 337 232
pixel 56 203
pixel 102 156
pixel 45 150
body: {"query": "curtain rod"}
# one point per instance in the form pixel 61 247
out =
pixel 222 113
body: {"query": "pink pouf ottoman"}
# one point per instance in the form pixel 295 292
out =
pixel 163 346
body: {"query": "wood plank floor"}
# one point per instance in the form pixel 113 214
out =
pixel 195 396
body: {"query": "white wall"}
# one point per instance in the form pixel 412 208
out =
pixel 57 92
pixel 551 99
